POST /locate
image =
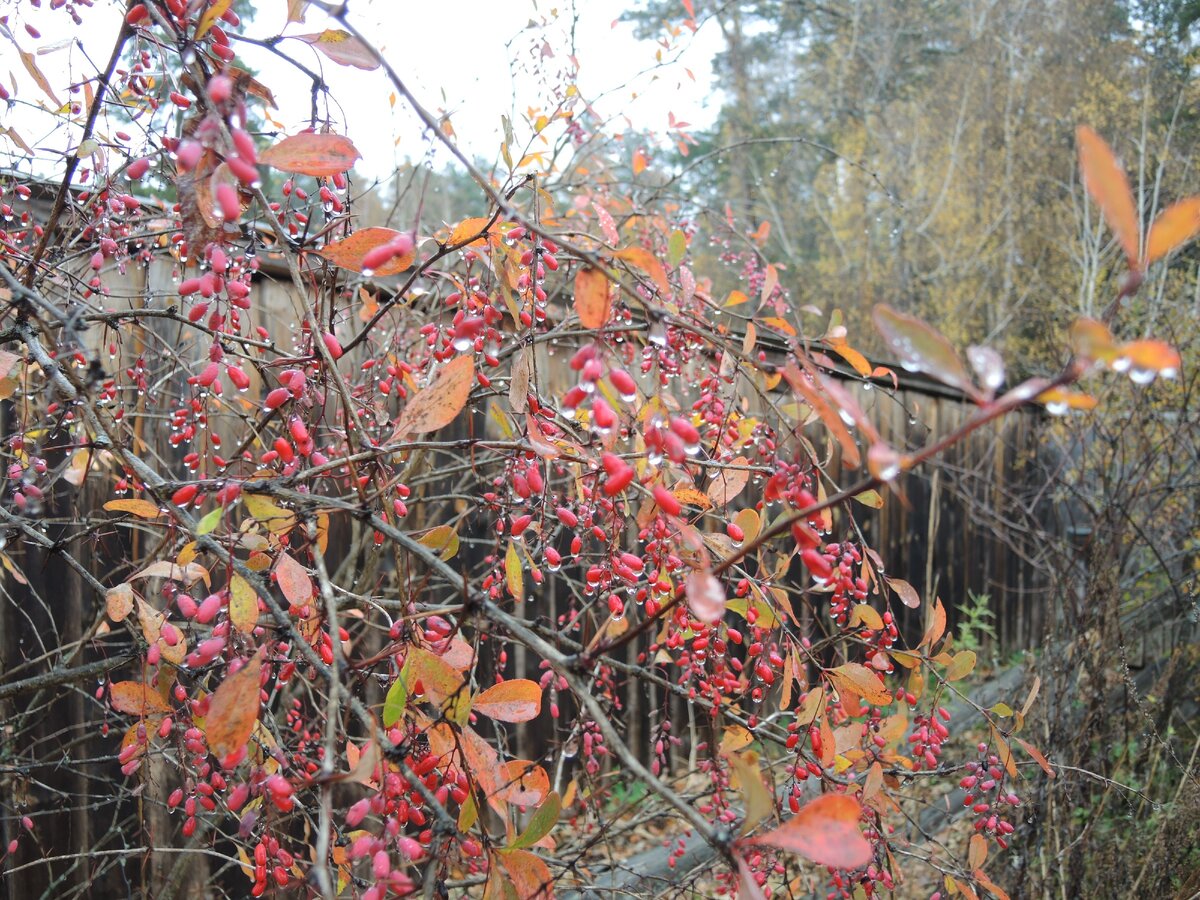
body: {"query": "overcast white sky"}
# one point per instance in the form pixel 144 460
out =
pixel 452 54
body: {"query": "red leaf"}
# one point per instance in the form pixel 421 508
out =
pixel 437 405
pixel 518 700
pixel 826 831
pixel 592 302
pixel 348 253
pixel 342 47
pixel 234 710
pixel 318 155
pixel 1106 182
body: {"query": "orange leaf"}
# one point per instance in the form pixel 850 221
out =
pixel 119 601
pixel 143 509
pixel 977 851
pixel 342 47
pixel 937 627
pixel 234 710
pixel 293 580
pixel 518 700
pixel 728 483
pixel 643 259
pixel 826 831
pixel 1149 356
pixel 1175 226
pixel 318 155
pixel 921 348
pixel 437 405
pixel 592 303
pixel 531 878
pixel 1106 182
pixel 348 253
pixel 469 233
pixel 137 699
pixel 1037 757
pixel 809 391
pixel 522 783
pixel 639 161
pixel 857 679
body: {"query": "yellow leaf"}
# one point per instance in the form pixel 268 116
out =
pixel 961 665
pixel 442 540
pixel 243 604
pixel 143 509
pixel 514 576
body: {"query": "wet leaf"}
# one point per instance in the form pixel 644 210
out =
pixel 234 710
pixel 592 302
pixel 905 591
pixel 348 253
pixel 1106 182
pixel 826 831
pixel 921 348
pixel 342 47
pixel 319 155
pixel 439 404
pixel 518 700
pixel 727 483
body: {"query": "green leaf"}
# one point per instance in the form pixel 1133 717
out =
pixel 676 247
pixel 1003 709
pixel 870 498
pixel 540 823
pixel 210 521
pixel 394 703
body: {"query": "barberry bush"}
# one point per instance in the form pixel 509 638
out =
pixel 381 522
